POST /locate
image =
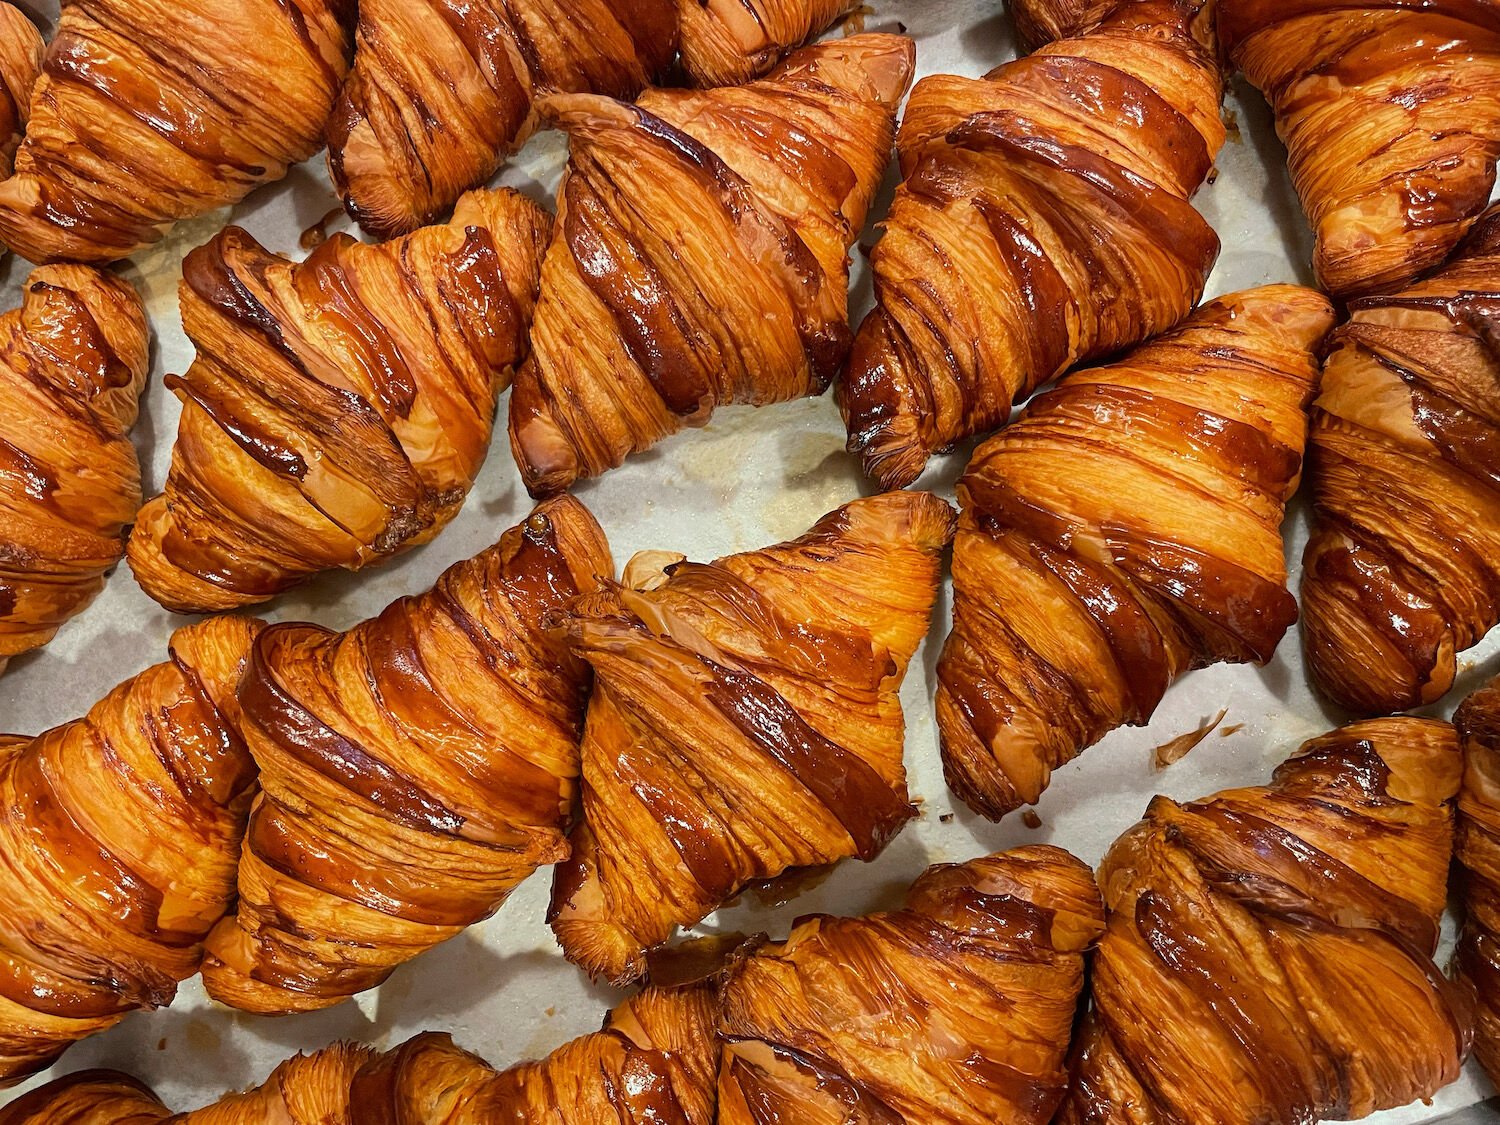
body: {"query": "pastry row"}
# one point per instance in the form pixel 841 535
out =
pixel 1263 956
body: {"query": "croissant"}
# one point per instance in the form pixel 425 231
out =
pixel 150 111
pixel 1390 112
pixel 338 409
pixel 1039 22
pixel 1043 221
pixel 119 833
pixel 700 256
pixel 1478 722
pixel 744 721
pixel 73 359
pixel 441 90
pixel 727 42
pixel 1268 955
pixel 1400 574
pixel 1127 529
pixel 955 1010
pixel 21 48
pixel 413 770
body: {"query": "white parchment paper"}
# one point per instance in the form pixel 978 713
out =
pixel 751 477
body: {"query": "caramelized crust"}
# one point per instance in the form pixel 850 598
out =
pixel 1478 961
pixel 1268 957
pixel 87 1097
pixel 726 42
pixel 73 359
pixel 953 1011
pixel 745 721
pixel 1402 571
pixel 1043 221
pixel 441 91
pixel 700 255
pixel 413 770
pixel 1127 529
pixel 338 409
pixel 21 49
pixel 118 838
pixel 150 111
pixel 1039 22
pixel 1390 111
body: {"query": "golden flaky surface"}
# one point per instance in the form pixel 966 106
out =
pixel 1390 112
pixel 1478 722
pixel 726 42
pixel 1268 958
pixel 1402 571
pixel 700 253
pixel 338 408
pixel 413 770
pixel 956 1010
pixel 745 721
pixel 442 90
pixel 1127 529
pixel 653 1063
pixel 150 111
pixel 119 834
pixel 1043 220
pixel 73 360
pixel 21 48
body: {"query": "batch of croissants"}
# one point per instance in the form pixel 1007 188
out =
pixel 294 812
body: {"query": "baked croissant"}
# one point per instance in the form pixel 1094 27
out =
pixel 119 833
pixel 413 770
pixel 21 48
pixel 1043 221
pixel 726 42
pixel 1127 529
pixel 150 111
pixel 744 721
pixel 700 255
pixel 1402 571
pixel 1268 957
pixel 441 91
pixel 1390 112
pixel 338 409
pixel 1478 722
pixel 955 1010
pixel 73 359
pixel 1042 21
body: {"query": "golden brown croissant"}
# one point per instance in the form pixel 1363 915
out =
pixel 1041 21
pixel 744 721
pixel 726 42
pixel 21 48
pixel 1402 571
pixel 1127 529
pixel 1043 221
pixel 119 833
pixel 956 1010
pixel 1478 722
pixel 73 359
pixel 700 255
pixel 441 91
pixel 339 408
pixel 1268 957
pixel 150 111
pixel 1390 112
pixel 413 770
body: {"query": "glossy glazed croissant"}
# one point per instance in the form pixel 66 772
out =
pixel 413 770
pixel 339 408
pixel 1127 529
pixel 744 721
pixel 120 833
pixel 726 42
pixel 1268 957
pixel 1390 112
pixel 1478 849
pixel 73 359
pixel 441 91
pixel 150 111
pixel 955 1010
pixel 21 48
pixel 1402 571
pixel 700 254
pixel 1043 221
